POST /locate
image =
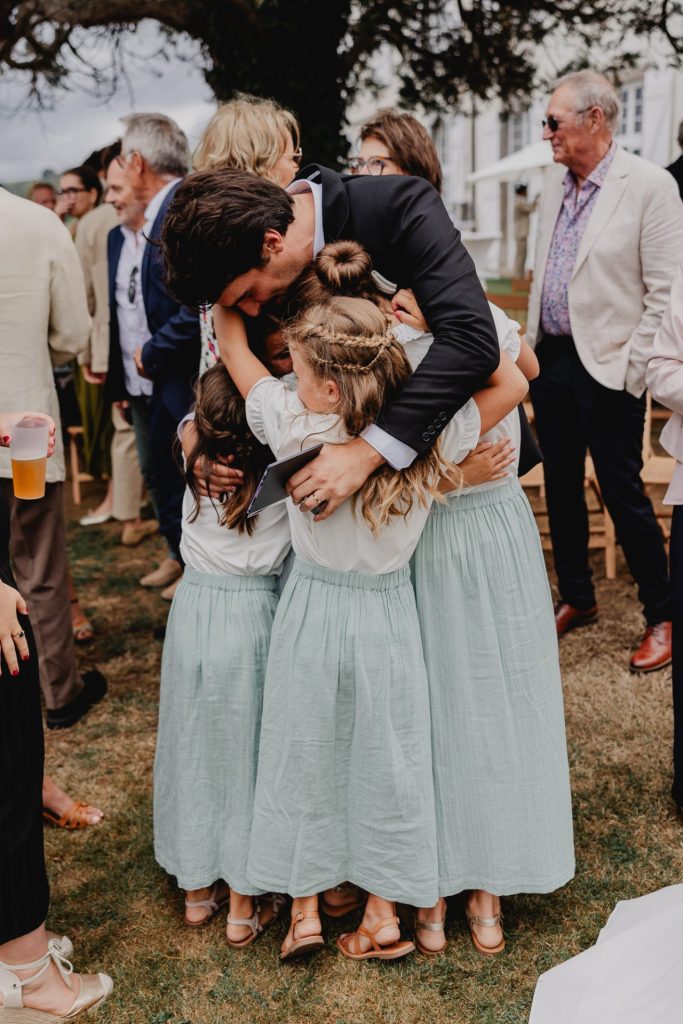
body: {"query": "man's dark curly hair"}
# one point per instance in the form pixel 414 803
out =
pixel 214 231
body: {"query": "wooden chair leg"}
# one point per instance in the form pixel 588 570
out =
pixel 610 548
pixel 75 470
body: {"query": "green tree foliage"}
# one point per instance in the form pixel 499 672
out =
pixel 312 55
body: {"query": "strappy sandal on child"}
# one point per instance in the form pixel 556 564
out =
pixel 95 988
pixel 429 926
pixel 218 898
pixel 266 909
pixel 76 817
pixel 485 922
pixel 307 944
pixel 349 943
pixel 353 899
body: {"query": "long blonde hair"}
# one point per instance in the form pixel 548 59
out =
pixel 249 134
pixel 348 340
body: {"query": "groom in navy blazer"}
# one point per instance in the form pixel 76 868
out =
pixel 154 157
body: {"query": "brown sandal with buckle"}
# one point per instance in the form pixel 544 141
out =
pixel 354 900
pixel 349 943
pixel 309 943
pixel 76 817
pixel 485 922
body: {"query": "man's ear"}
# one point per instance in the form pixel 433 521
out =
pixel 273 244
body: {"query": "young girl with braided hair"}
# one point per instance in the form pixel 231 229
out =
pixel 344 789
pixel 212 673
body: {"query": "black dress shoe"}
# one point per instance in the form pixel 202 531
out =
pixel 94 689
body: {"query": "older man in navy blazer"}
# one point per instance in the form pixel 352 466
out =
pixel 154 352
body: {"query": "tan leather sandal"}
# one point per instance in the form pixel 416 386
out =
pixel 76 817
pixel 349 943
pixel 95 988
pixel 307 944
pixel 218 898
pixel 353 899
pixel 429 926
pixel 485 922
pixel 266 909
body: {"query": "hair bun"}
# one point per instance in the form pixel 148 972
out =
pixel 344 267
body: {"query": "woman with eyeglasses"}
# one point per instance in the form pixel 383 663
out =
pixel 395 143
pixel 248 134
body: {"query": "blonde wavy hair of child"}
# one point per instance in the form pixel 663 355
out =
pixel 347 339
pixel 249 134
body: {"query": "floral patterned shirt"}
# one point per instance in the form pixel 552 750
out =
pixel 571 224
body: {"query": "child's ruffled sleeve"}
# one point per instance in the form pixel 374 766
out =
pixel 461 435
pixel 507 331
pixel 271 409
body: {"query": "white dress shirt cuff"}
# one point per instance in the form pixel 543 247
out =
pixel 396 453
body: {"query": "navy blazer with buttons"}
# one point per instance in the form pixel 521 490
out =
pixel 171 355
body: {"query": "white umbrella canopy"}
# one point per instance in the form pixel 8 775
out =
pixel 512 167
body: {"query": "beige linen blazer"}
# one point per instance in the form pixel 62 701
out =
pixel 665 368
pixel 91 246
pixel 43 313
pixel 626 260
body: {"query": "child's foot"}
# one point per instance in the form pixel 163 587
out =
pixel 430 937
pixel 248 917
pixel 202 904
pixel 342 900
pixel 305 930
pixel 484 917
pixel 378 936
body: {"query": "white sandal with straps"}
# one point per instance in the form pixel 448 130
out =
pixel 212 905
pixel 95 988
pixel 275 902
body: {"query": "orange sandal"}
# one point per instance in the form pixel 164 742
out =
pixel 394 951
pixel 73 819
pixel 307 944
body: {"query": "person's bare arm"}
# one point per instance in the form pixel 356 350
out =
pixel 527 362
pixel 243 366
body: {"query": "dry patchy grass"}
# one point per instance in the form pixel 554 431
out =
pixel 125 915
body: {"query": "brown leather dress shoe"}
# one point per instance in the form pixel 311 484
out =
pixel 567 617
pixel 655 649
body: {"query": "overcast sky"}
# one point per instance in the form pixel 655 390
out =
pixel 31 142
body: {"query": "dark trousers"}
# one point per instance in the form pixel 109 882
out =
pixel 24 890
pixel 676 557
pixel 575 413
pixel 155 436
pixel 41 565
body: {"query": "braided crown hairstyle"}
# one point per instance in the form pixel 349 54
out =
pixel 346 338
pixel 222 430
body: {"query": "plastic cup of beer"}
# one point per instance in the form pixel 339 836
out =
pixel 28 452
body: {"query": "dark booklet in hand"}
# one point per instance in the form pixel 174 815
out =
pixel 271 488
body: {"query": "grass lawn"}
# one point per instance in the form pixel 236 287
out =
pixel 125 915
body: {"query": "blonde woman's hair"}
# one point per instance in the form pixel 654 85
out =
pixel 348 340
pixel 248 134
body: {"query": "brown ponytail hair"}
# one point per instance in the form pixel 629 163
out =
pixel 347 339
pixel 222 430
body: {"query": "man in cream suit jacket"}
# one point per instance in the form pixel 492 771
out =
pixel 609 236
pixel 44 321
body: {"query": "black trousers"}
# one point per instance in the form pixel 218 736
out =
pixel 575 413
pixel 24 892
pixel 676 557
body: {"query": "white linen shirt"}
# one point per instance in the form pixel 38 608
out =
pixel 132 319
pixel 209 547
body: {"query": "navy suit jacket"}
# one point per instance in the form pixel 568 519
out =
pixel 171 356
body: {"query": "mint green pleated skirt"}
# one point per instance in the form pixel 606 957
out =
pixel 212 676
pixel 344 788
pixel 503 802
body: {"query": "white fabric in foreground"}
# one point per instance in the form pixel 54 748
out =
pixel 633 974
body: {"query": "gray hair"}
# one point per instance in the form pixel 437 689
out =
pixel 160 141
pixel 593 90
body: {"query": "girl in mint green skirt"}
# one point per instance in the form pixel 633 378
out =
pixel 345 787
